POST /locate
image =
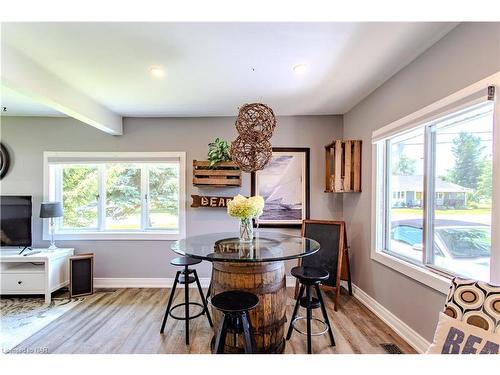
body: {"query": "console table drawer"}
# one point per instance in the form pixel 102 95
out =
pixel 22 282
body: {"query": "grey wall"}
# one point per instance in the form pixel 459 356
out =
pixel 28 137
pixel 466 55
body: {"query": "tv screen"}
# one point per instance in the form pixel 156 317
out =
pixel 15 220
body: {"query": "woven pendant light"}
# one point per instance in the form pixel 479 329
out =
pixel 255 124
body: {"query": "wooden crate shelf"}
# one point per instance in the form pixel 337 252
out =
pixel 224 174
pixel 343 166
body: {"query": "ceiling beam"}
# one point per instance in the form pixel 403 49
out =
pixel 23 75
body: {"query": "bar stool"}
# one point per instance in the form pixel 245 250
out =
pixel 186 277
pixel 234 306
pixel 310 277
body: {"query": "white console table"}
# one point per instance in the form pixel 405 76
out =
pixel 40 273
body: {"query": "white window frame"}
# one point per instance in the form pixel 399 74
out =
pixel 461 99
pixel 146 234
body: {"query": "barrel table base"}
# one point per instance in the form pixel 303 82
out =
pixel 267 281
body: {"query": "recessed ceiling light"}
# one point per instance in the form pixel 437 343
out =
pixel 299 69
pixel 157 72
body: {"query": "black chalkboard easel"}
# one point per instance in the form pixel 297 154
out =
pixel 332 255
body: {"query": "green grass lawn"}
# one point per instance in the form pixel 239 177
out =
pixel 158 220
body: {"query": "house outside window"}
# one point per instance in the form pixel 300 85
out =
pixel 441 222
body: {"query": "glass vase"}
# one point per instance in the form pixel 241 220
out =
pixel 246 230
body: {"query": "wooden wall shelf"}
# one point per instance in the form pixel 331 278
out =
pixel 343 166
pixel 224 174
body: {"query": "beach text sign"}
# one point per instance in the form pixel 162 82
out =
pixel 209 201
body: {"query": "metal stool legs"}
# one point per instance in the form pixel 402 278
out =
pixel 170 299
pixel 325 314
pixel 309 317
pixel 186 302
pixel 238 323
pixel 203 299
pixel 295 310
pixel 186 281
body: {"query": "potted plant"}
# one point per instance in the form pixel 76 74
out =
pixel 218 151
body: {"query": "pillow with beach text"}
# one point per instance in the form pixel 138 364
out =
pixel 456 337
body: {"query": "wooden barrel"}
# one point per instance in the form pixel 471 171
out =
pixel 267 281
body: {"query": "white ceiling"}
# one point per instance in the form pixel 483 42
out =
pixel 20 105
pixel 209 65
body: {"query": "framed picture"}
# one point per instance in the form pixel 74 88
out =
pixel 284 185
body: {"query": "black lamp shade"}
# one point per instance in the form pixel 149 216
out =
pixel 51 209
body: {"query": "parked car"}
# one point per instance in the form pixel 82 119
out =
pixel 459 246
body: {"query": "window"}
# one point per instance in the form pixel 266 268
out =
pixel 117 195
pixel 443 167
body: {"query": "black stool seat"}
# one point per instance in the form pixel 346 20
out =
pixel 234 301
pixel 184 261
pixel 234 305
pixel 308 274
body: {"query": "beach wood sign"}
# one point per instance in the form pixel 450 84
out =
pixel 209 201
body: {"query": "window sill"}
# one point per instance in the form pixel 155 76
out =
pixel 117 236
pixel 422 275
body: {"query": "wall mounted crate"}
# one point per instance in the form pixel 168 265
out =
pixel 343 166
pixel 223 174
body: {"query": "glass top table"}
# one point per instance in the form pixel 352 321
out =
pixel 265 247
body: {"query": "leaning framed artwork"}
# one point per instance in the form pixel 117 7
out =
pixel 284 185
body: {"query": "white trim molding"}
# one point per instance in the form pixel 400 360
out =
pixel 159 282
pixel 414 339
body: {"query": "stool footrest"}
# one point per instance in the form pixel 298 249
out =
pixel 190 316
pixel 319 333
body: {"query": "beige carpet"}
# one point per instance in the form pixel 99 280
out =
pixel 22 316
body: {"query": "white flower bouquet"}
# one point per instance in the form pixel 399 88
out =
pixel 245 209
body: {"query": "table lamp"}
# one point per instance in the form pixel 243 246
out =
pixel 51 210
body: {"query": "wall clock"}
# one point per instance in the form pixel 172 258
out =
pixel 4 160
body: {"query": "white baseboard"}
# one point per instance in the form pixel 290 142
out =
pixel 161 282
pixel 414 339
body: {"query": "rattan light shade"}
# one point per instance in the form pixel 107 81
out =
pixel 256 117
pixel 249 155
pixel 255 124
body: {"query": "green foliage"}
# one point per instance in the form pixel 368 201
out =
pixel 164 190
pixel 485 184
pixel 123 192
pixel 405 166
pixel 218 151
pixel 468 166
pixel 80 192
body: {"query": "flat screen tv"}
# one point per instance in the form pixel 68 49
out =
pixel 15 221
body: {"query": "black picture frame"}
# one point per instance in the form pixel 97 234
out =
pixel 268 223
pixel 4 161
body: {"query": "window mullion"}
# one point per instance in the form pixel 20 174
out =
pixel 144 196
pixel 101 201
pixel 58 195
pixel 429 194
pixel 387 195
pixel 495 200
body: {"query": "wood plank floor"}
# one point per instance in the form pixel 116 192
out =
pixel 129 320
